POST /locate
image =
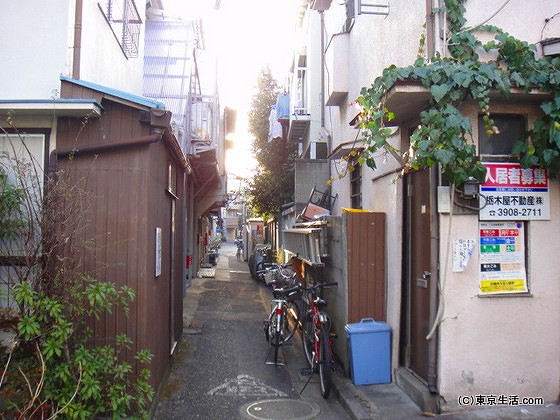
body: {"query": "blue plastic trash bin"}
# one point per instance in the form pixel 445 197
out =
pixel 370 352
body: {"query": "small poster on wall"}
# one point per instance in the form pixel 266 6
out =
pixel 502 258
pixel 462 252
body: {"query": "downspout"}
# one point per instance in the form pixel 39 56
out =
pixel 434 283
pixel 77 48
pixel 322 14
pixel 184 250
pixel 433 27
pixel 191 234
pixel 430 29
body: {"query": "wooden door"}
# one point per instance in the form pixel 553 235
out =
pixel 418 277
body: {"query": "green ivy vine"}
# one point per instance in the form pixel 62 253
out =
pixel 444 135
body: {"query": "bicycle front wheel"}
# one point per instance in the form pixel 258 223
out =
pixel 308 342
pixel 325 363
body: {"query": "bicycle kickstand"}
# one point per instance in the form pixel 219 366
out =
pixel 281 359
pixel 306 372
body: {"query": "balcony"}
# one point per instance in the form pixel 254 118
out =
pixel 201 125
pixel 300 115
pixel 203 143
pixel 300 119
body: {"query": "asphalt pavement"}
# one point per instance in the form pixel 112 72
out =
pixel 220 368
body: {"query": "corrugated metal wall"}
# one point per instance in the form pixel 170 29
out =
pixel 167 64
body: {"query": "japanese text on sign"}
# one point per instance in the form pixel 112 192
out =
pixel 502 258
pixel 462 252
pixel 511 192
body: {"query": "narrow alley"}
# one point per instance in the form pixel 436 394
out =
pixel 219 369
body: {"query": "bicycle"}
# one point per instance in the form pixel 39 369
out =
pixel 239 253
pixel 316 336
pixel 257 260
pixel 282 321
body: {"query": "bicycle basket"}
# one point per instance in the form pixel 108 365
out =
pixel 270 276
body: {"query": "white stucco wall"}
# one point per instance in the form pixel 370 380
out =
pixel 378 41
pixel 385 196
pixel 34 47
pixel 37 49
pixel 506 345
pixel 103 61
pixel 374 44
pixel 520 18
pixel 502 345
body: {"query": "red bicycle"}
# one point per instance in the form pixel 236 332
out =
pixel 316 335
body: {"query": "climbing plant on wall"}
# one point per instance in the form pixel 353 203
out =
pixel 444 135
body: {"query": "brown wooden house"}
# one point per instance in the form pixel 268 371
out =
pixel 135 170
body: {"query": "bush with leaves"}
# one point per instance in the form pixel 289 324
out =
pixel 54 369
pixel 444 135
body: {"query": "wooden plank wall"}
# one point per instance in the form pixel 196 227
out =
pixel 366 266
pixel 129 200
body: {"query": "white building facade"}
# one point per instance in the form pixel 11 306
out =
pixel 456 329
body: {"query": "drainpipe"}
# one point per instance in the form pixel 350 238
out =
pixel 430 29
pixel 322 14
pixel 77 49
pixel 191 234
pixel 184 235
pixel 434 44
pixel 434 282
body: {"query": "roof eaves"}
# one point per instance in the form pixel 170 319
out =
pixel 73 107
pixel 119 94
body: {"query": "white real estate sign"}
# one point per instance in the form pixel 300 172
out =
pixel 511 192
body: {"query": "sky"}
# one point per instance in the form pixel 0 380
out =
pixel 246 36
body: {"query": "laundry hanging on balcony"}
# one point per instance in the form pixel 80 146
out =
pixel 283 108
pixel 274 126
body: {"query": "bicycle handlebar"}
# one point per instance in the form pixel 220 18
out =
pixel 280 267
pixel 287 291
pixel 322 286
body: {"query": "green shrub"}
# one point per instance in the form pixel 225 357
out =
pixel 54 369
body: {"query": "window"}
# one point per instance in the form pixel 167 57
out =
pixel 379 7
pixel 355 185
pixel 125 23
pixel 498 146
